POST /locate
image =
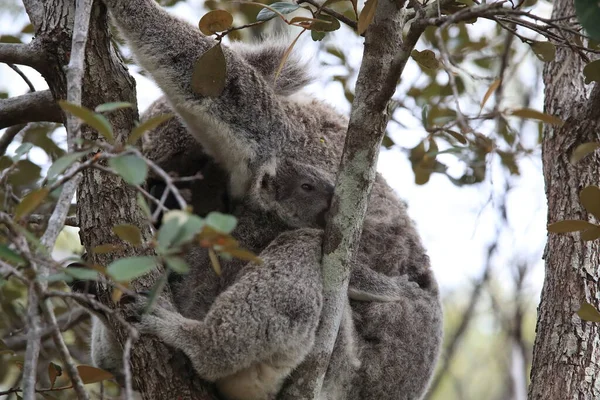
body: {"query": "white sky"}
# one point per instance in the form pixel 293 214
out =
pixel 456 223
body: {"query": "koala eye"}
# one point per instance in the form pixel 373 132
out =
pixel 308 187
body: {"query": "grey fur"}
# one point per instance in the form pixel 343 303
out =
pixel 248 329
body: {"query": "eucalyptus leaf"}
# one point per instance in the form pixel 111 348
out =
pixel 130 167
pixel 129 268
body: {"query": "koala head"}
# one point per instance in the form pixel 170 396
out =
pixel 298 193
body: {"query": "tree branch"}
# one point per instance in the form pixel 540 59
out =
pixel 57 219
pixel 65 322
pixel 22 54
pixel 31 107
pixel 386 53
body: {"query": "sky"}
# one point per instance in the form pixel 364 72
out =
pixel 456 223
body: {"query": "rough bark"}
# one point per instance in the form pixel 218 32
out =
pixel 105 200
pixel 566 361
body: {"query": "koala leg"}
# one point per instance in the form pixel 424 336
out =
pixel 260 328
pixel 399 345
pixel 106 351
pixel 367 284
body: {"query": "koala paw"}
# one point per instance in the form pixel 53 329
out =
pixel 158 319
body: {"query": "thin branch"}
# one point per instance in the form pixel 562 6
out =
pixel 168 179
pixel 40 219
pixel 23 76
pixel 352 24
pixel 31 107
pixel 65 322
pixel 9 135
pixel 22 54
pixel 90 303
pixel 56 222
pixel 127 367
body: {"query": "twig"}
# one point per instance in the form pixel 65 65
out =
pixel 40 219
pixel 91 304
pixel 9 136
pixel 169 181
pixel 23 76
pixel 127 367
pixel 31 107
pixel 65 322
pixel 75 73
pixel 352 24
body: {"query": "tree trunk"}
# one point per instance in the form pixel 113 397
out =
pixel 566 360
pixel 105 200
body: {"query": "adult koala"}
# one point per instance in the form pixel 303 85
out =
pixel 249 329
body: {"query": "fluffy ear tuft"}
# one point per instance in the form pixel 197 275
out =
pixel 266 55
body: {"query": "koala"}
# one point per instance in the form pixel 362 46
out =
pixel 250 328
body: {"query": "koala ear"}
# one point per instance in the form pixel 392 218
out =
pixel 271 188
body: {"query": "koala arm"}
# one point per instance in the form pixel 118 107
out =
pixel 243 127
pixel 261 327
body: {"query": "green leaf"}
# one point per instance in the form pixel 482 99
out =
pixel 9 255
pixel 221 222
pixel 424 115
pixel 96 121
pixel 588 312
pixel 457 136
pixel 210 73
pixel 106 248
pixel 24 173
pixel 190 228
pixel 570 225
pixel 129 268
pixel 528 113
pixel 22 150
pixel 178 227
pixel 325 23
pixel 168 231
pixel 155 292
pixel 106 107
pixel 58 277
pixel 129 233
pixel 146 126
pixel 592 72
pixel 30 202
pixel 583 150
pixel 317 36
pixel 130 167
pixel 282 8
pixel 177 264
pixel 426 59
pixel 545 51
pixel 60 165
pixel 590 200
pixel 588 14
pixel 143 204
